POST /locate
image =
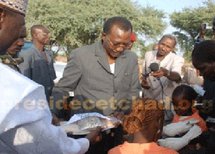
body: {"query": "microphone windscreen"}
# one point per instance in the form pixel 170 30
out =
pixel 154 67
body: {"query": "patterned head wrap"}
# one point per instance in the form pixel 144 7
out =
pixel 15 5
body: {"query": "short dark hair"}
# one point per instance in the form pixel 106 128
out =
pixel 203 58
pixel 43 28
pixel 122 22
pixel 185 92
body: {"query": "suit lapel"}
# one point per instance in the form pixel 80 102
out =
pixel 120 63
pixel 100 53
pixel 102 57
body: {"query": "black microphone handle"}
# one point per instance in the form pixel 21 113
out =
pixel 147 74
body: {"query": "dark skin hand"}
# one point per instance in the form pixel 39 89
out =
pixel 119 115
pixel 55 120
pixel 161 72
pixel 173 76
pixel 95 135
pixel 144 83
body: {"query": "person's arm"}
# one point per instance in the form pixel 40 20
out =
pixel 42 137
pixel 32 131
pixel 174 74
pixel 135 83
pixel 71 76
pixel 25 66
pixel 52 69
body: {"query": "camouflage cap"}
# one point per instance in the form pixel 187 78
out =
pixel 15 5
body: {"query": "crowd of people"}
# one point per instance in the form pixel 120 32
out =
pixel 169 117
pixel 27 130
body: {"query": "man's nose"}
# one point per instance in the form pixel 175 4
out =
pixel 120 49
pixel 164 48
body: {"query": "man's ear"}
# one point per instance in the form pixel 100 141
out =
pixel 173 49
pixel 103 35
pixel 2 16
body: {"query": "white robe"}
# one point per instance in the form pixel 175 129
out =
pixel 25 119
pixel 171 62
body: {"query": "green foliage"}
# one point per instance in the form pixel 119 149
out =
pixel 188 23
pixel 74 23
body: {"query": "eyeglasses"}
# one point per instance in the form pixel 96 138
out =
pixel 118 44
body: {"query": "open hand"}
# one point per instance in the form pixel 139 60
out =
pixel 161 72
pixel 144 83
pixel 95 135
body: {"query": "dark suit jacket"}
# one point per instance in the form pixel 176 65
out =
pixel 88 75
pixel 37 68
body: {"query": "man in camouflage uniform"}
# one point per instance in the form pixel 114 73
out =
pixel 10 58
pixel 11 62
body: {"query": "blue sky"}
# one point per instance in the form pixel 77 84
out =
pixel 170 6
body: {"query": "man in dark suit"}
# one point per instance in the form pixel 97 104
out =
pixel 104 76
pixel 38 61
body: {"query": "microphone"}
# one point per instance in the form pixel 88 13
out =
pixel 153 68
